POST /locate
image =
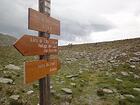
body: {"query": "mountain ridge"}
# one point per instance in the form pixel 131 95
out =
pixel 6 40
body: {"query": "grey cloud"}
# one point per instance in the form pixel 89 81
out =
pixel 71 29
pixel 73 23
pixel 13 18
pixel 78 18
pixel 76 21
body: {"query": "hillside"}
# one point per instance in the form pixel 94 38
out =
pixel 6 40
pixel 105 73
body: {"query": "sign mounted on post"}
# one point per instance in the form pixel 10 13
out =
pixel 36 70
pixel 42 46
pixel 33 45
pixel 41 22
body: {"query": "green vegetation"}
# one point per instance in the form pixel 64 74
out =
pixel 86 70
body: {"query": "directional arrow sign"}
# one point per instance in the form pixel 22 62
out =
pixel 33 45
pixel 36 70
pixel 41 22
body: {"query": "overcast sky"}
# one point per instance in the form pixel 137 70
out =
pixel 82 21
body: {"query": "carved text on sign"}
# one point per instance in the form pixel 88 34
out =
pixel 35 70
pixel 33 45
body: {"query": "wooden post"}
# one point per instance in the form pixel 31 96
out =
pixel 44 83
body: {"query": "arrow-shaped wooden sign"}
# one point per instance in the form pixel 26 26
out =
pixel 36 70
pixel 41 22
pixel 33 45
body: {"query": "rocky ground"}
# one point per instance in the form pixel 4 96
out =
pixel 91 74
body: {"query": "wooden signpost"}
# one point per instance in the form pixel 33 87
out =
pixel 36 70
pixel 42 46
pixel 41 22
pixel 44 83
pixel 32 45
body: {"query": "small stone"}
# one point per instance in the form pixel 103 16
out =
pixel 119 80
pixel 30 92
pixel 136 76
pixel 53 91
pixel 67 90
pixel 107 73
pixel 70 76
pixel 136 89
pixel 62 82
pixel 73 84
pixel 108 91
pixel 51 87
pixel 137 53
pixel 13 67
pixel 112 61
pixel 101 92
pixel 124 73
pixel 14 97
pixel 13 83
pixel 80 72
pixel 73 79
pixel 134 59
pixel 129 96
pixel 68 59
pixel 131 72
pixel 123 54
pixel 133 66
pixel 113 73
pixel 82 81
pixel 69 62
pixel 6 80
